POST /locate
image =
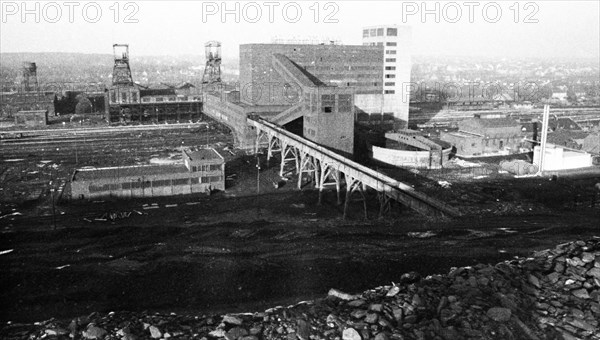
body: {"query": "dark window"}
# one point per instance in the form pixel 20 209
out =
pixel 159 99
pixel 390 44
pixel 390 68
pixel 390 83
pixel 390 92
pixel 365 33
pixel 215 167
pixel 113 97
pixel 126 186
pixel 327 103
pixel 194 169
pixel 124 97
pixel 390 60
pixel 204 179
pixel 390 52
pixel 195 180
pixel 134 97
pixel 380 32
pixel 390 76
pixel 392 32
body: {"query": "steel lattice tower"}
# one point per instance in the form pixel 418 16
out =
pixel 212 70
pixel 121 70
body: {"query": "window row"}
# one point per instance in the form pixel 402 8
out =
pixel 155 184
pixel 378 32
pixel 206 167
pixel 342 68
pixel 328 104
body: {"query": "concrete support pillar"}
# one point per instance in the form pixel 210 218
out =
pixel 338 184
pixel 302 157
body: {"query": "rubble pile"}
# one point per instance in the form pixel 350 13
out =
pixel 555 294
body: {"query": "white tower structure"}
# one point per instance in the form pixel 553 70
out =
pixel 397 65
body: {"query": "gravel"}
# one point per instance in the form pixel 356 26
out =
pixel 554 294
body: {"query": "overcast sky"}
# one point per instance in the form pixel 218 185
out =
pixel 543 28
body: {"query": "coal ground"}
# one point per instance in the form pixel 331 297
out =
pixel 236 251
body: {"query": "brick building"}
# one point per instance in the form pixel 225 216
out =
pixel 201 172
pixel 485 135
pixel 11 103
pixel 322 86
pixel 359 67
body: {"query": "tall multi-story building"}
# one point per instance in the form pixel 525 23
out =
pixel 396 68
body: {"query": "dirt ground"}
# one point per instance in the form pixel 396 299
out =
pixel 236 250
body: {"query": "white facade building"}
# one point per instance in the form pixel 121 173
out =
pixel 397 66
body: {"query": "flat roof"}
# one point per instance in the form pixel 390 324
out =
pixel 32 111
pixel 203 154
pixel 128 171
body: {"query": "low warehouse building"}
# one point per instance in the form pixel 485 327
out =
pixel 32 118
pixel 202 171
pixel 560 158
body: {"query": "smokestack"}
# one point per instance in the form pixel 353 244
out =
pixel 545 122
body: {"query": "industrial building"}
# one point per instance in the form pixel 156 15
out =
pixel 485 135
pixel 550 157
pixel 28 97
pixel 202 171
pixel 411 149
pixel 27 101
pixel 395 40
pixel 561 158
pixel 322 86
pixel 32 118
pixel 126 101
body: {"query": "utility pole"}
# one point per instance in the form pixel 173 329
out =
pixel 53 205
pixel 257 185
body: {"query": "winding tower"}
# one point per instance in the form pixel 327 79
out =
pixel 121 70
pixel 212 70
